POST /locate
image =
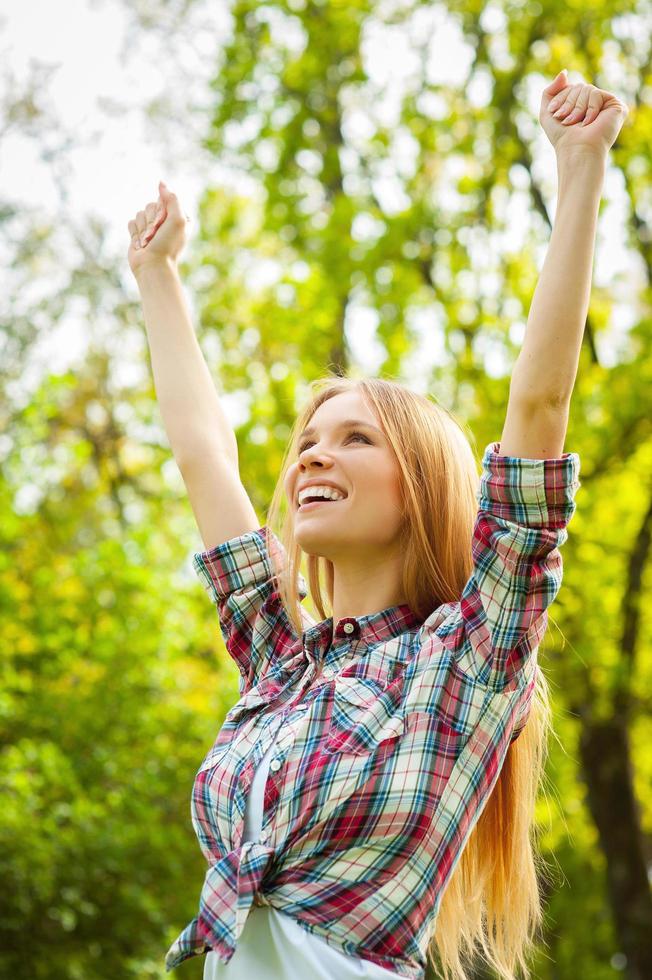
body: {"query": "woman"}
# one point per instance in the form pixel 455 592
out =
pixel 369 801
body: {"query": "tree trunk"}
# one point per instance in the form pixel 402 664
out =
pixel 605 756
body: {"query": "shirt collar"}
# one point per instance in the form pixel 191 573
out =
pixel 374 628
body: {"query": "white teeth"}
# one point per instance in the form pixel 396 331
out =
pixel 327 492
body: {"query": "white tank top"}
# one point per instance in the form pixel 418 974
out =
pixel 272 945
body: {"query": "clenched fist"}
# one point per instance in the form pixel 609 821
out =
pixel 159 232
pixel 581 116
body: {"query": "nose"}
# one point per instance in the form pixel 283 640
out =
pixel 310 458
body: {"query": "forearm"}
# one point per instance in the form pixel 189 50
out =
pixel 192 414
pixel 546 367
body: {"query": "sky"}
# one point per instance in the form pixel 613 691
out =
pixel 117 167
pixel 99 86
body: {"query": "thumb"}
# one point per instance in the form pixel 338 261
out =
pixel 557 84
pixel 169 199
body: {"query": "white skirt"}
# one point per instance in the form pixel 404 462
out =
pixel 272 946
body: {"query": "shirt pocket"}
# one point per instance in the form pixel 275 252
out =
pixel 234 721
pixel 366 714
pixel 440 721
pixel 453 699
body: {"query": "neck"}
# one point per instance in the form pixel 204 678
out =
pixel 362 588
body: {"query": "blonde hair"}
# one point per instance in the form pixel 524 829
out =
pixel 492 905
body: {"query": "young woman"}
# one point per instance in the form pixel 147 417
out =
pixel 369 801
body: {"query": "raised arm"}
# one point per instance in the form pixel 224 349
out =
pixel 201 438
pixel 544 374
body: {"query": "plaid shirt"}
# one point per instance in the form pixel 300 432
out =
pixel 391 731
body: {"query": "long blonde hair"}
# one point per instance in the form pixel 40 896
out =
pixel 492 905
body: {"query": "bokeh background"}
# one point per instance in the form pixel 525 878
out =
pixel 370 192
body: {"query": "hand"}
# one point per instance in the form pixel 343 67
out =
pixel 580 116
pixel 159 232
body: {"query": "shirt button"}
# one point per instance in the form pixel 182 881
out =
pixel 275 765
pixel 302 707
pixel 264 834
pixel 348 627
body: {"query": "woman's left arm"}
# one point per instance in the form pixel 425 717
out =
pixel 546 367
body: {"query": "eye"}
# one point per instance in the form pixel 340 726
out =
pixel 351 435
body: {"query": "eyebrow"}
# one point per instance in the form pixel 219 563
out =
pixel 342 425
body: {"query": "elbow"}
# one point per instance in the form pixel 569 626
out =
pixel 555 399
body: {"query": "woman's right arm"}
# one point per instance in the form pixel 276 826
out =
pixel 201 438
pixel 189 403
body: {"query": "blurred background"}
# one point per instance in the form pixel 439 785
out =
pixel 370 192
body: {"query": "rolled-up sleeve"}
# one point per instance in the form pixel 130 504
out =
pixel 524 507
pixel 238 577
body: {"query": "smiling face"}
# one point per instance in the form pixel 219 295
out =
pixel 357 458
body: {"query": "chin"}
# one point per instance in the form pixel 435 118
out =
pixel 314 541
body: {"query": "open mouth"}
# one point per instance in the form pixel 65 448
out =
pixel 308 504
